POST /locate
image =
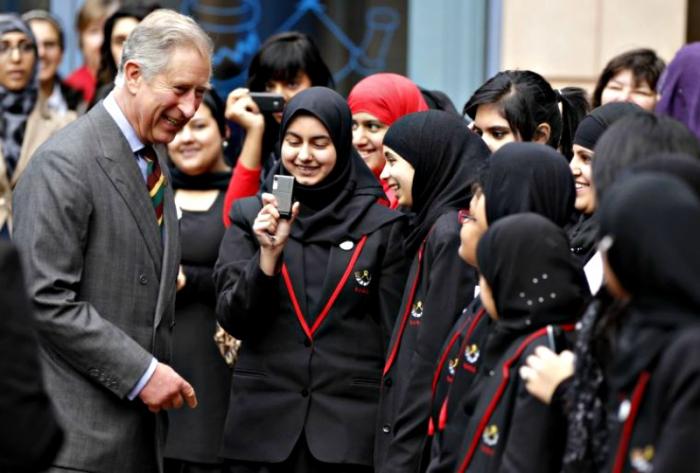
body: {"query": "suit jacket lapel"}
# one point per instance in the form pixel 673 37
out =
pixel 338 260
pixel 171 243
pixel 119 163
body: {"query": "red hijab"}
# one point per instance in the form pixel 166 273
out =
pixel 387 96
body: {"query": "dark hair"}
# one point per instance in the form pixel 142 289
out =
pixel 645 65
pixel 108 68
pixel 43 15
pixel 526 99
pixel 633 139
pixel 283 57
pixel 217 107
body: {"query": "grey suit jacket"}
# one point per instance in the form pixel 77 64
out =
pixel 102 276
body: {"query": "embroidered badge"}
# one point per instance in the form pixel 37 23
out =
pixel 641 458
pixel 452 366
pixel 471 353
pixel 417 311
pixel 490 435
pixel 363 277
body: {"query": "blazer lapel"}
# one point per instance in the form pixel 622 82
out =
pixel 338 260
pixel 294 259
pixel 119 163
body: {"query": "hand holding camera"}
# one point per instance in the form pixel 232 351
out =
pixel 272 229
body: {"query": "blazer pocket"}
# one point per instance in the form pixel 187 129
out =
pixel 365 382
pixel 248 373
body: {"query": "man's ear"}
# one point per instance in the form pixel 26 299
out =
pixel 542 133
pixel 133 76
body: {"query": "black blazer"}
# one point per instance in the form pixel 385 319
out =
pixel 659 425
pixel 29 433
pixel 287 383
pixel 444 286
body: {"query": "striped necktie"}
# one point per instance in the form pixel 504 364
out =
pixel 155 181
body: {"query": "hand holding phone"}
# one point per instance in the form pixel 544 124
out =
pixel 268 102
pixel 283 190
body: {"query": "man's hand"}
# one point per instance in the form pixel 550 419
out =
pixel 167 390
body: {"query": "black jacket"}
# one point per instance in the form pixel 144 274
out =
pixel 509 431
pixel 459 363
pixel 311 376
pixel 30 436
pixel 445 285
pixel 655 414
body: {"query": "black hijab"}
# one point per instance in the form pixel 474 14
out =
pixel 528 177
pixel 656 262
pixel 342 206
pixel 445 156
pixel 595 123
pixel 534 279
pixel 681 165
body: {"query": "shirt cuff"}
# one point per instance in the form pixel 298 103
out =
pixel 143 381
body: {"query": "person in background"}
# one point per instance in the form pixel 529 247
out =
pixel 89 24
pixel 96 226
pixel 25 123
pixel 48 33
pixel 376 102
pixel 522 106
pixel 286 64
pixel 582 232
pixel 630 77
pixel 431 159
pixel 30 435
pixel 679 88
pixel 199 176
pixel 313 299
pixel 116 30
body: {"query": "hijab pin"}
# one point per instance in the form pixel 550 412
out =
pixel 347 245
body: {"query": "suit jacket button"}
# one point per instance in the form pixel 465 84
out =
pixel 305 392
pixel 386 429
pixel 388 382
pixel 143 279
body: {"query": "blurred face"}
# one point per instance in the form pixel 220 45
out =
pixel 308 152
pixel 49 48
pixel 288 89
pixel 197 148
pixel 121 30
pixel 163 104
pixel 486 296
pixel 399 174
pixel 367 137
pixel 581 168
pixel 492 127
pixel 16 60
pixel 622 88
pixel 91 42
pixel 473 228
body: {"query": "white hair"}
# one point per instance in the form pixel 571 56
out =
pixel 153 41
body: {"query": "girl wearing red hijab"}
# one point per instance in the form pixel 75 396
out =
pixel 376 102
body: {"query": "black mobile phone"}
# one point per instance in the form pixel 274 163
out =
pixel 268 102
pixel 283 190
pixel 556 339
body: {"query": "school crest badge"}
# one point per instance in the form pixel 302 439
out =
pixel 417 311
pixel 490 435
pixel 641 458
pixel 363 278
pixel 471 353
pixel 452 366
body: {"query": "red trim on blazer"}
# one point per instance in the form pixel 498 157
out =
pixel 409 303
pixel 331 301
pixel 623 446
pixel 499 392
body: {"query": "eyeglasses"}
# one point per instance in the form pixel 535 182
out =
pixel 24 48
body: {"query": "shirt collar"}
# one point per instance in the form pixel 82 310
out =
pixel 112 107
